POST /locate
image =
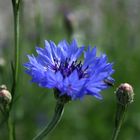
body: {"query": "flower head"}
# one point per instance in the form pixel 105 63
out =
pixel 61 67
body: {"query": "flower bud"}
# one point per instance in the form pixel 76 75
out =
pixel 5 95
pixel 125 94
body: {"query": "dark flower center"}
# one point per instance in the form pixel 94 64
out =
pixel 66 68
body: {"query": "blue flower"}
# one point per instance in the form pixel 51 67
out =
pixel 61 67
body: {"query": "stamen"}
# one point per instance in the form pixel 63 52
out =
pixel 66 69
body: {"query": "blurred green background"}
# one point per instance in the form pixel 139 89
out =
pixel 113 26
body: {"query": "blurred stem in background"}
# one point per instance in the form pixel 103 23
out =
pixel 68 21
pixel 15 66
pixel 68 24
pixel 38 23
pixel 124 94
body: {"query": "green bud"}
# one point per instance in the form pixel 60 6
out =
pixel 125 94
pixel 5 95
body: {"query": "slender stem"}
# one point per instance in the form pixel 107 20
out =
pixel 55 120
pixel 15 4
pixel 120 114
pixel 16 37
pixel 11 129
pixel 16 45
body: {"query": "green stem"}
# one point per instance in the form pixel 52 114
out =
pixel 120 114
pixel 55 120
pixel 15 4
pixel 11 129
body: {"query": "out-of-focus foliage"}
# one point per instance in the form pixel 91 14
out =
pixel 113 26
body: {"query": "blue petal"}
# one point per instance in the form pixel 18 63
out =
pixel 73 85
pixel 64 48
pixel 90 56
pixel 95 92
